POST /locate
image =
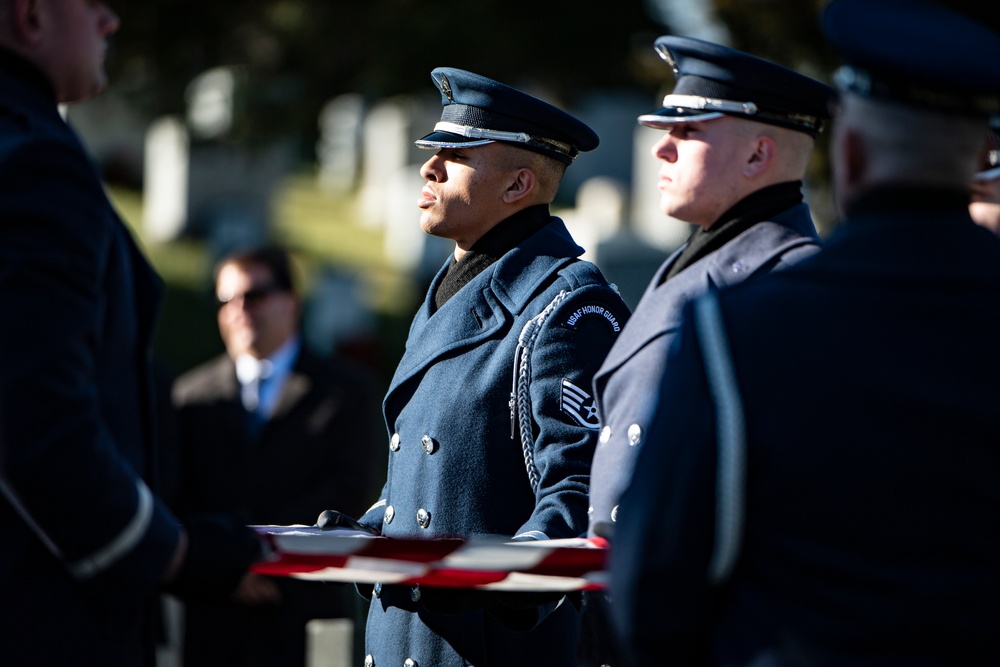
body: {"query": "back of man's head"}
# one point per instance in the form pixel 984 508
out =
pixel 918 80
pixel 907 144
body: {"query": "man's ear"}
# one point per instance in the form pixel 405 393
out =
pixel 25 21
pixel 764 151
pixel 521 186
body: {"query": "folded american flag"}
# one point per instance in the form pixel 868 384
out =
pixel 486 563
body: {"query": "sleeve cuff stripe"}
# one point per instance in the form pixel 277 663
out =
pixel 123 543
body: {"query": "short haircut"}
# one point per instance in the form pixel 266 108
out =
pixel 548 171
pixel 274 259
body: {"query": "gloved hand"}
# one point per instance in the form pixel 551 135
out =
pixel 606 530
pixel 220 549
pixel 332 519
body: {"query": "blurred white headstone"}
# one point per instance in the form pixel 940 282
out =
pixel 338 149
pixel 329 642
pixel 386 139
pixel 336 311
pixel 165 179
pixel 211 103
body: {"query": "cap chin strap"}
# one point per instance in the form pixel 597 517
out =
pixel 709 103
pixel 861 82
pixel 499 135
pixel 654 120
pixel 480 133
pixel 713 108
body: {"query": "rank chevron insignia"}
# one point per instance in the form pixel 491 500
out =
pixel 579 404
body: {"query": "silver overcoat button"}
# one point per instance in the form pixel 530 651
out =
pixel 614 513
pixel 634 435
pixel 605 436
pixel 394 443
pixel 423 518
pixel 389 514
pixel 377 589
pixel 427 442
pixel 369 661
pixel 415 593
pixel 410 662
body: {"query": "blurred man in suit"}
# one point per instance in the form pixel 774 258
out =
pixel 275 433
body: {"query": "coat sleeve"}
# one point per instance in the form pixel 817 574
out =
pixel 663 601
pixel 556 374
pixel 61 470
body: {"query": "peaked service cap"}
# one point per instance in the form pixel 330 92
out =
pixel 713 80
pixel 916 52
pixel 477 111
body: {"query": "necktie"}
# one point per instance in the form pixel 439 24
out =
pixel 251 394
pixel 251 399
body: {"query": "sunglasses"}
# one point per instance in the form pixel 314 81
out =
pixel 252 297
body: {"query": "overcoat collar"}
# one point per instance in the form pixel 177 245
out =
pixel 36 90
pixel 484 305
pixel 659 309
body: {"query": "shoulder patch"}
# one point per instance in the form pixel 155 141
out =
pixel 592 310
pixel 578 404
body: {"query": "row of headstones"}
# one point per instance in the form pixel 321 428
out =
pixel 195 181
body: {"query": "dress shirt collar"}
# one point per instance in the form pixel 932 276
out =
pixel 278 365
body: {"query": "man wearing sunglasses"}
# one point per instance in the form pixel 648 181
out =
pixel 275 433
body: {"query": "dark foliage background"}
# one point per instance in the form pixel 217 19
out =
pixel 300 53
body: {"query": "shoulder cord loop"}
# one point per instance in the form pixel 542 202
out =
pixel 520 398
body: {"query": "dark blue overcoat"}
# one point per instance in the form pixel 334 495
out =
pixel 862 527
pixel 82 539
pixel 625 386
pixel 454 468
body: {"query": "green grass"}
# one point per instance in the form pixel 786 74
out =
pixel 318 228
pixel 321 231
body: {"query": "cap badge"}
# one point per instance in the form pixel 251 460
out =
pixel 446 87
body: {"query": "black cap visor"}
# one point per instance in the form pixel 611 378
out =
pixel 663 118
pixel 436 140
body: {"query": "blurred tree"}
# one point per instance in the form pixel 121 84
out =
pixel 297 54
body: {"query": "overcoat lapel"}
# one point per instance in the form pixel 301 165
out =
pixel 464 320
pixel 487 303
pixel 655 317
pixel 659 310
